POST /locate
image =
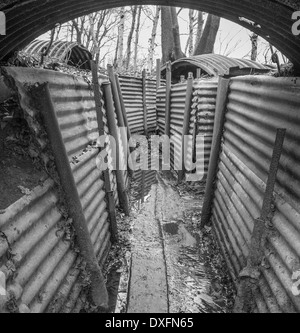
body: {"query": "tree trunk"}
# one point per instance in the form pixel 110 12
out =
pixel 191 32
pixel 167 39
pixel 254 39
pixel 78 32
pixel 152 40
pixel 208 38
pixel 199 28
pixel 176 35
pixel 121 38
pixel 129 40
pixel 96 49
pixel 137 34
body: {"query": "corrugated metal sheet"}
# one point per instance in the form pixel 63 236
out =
pixel 151 104
pixel 257 106
pixel 178 96
pixel 143 182
pixel 203 107
pixel 73 99
pixel 201 121
pixel 271 19
pixel 71 53
pixel 48 268
pixel 214 65
pixel 132 91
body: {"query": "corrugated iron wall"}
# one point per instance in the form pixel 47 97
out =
pixel 201 120
pixel 143 181
pixel 132 91
pixel 151 104
pixel 178 96
pixel 257 106
pixel 203 107
pixel 48 270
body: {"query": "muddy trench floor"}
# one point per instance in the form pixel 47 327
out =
pixel 163 262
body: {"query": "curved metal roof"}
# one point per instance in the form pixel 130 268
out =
pixel 72 53
pixel 216 64
pixel 271 19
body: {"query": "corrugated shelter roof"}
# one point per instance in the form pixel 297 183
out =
pixel 215 65
pixel 71 53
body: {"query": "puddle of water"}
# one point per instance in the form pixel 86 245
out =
pixel 171 228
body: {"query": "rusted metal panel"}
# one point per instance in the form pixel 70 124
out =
pixel 45 265
pixel 132 91
pixel 74 102
pixel 203 110
pixel 215 65
pixel 69 52
pixel 48 266
pixel 201 121
pixel 257 106
pixel 178 93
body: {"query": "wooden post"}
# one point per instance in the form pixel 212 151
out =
pixel 118 108
pixel 250 275
pixel 111 121
pixel 186 124
pixel 168 98
pixel 145 102
pixel 122 106
pixel 198 73
pixel 216 148
pixel 109 192
pixel 158 75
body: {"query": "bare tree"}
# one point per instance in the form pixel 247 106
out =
pixel 96 48
pixel 208 38
pixel 129 39
pixel 152 39
pixel 137 35
pixel 200 23
pixel 121 37
pixel 170 38
pixel 254 40
pixel 167 39
pixel 78 25
pixel 191 32
pixel 176 34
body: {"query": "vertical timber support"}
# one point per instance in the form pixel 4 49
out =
pixel 250 275
pixel 122 106
pixel 219 121
pixel 123 197
pixel 98 288
pixel 158 76
pixel 168 99
pixel 109 193
pixel 117 99
pixel 186 124
pixel 145 102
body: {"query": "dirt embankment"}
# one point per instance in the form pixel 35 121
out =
pixel 20 171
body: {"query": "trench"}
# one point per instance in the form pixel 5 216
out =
pixel 174 267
